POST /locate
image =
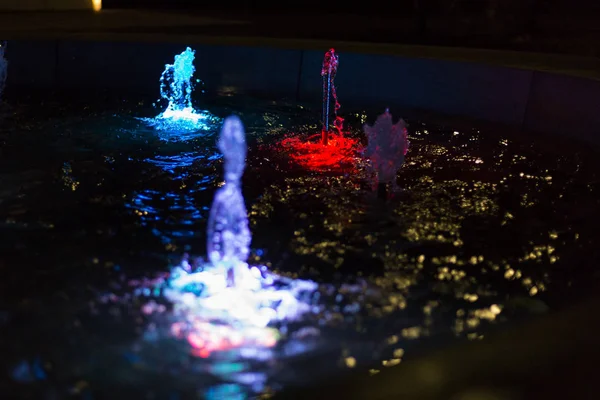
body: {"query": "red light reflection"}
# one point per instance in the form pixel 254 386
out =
pixel 314 154
pixel 206 337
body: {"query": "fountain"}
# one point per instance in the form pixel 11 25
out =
pixel 227 303
pixel 328 72
pixel 176 89
pixel 387 146
pixel 330 148
pixel 3 67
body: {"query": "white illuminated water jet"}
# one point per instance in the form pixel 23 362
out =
pixel 176 89
pixel 3 67
pixel 227 297
pixel 387 146
pixel 228 236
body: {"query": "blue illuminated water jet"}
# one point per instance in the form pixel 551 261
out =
pixel 226 303
pixel 176 87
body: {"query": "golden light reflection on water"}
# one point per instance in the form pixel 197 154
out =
pixel 471 237
pixel 67 177
pixel 483 229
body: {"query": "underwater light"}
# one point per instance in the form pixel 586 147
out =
pixel 186 119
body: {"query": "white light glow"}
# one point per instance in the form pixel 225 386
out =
pixel 226 303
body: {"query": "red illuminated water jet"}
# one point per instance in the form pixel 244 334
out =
pixel 329 148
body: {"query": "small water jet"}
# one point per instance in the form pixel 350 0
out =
pixel 176 87
pixel 329 148
pixel 328 72
pixel 229 237
pixel 387 146
pixel 227 303
pixel 3 67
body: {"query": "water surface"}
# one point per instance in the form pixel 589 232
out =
pixel 485 229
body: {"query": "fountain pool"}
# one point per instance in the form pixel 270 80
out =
pixel 484 230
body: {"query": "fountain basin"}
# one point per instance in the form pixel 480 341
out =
pixel 484 216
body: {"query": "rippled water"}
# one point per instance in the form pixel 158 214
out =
pixel 486 229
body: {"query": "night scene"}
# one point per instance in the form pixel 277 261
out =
pixel 299 200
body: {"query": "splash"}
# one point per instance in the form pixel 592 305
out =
pixel 3 67
pixel 226 303
pixel 329 149
pixel 387 146
pixel 176 89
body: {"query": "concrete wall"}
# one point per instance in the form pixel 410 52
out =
pixel 532 100
pixel 38 5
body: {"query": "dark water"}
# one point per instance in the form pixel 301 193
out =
pixel 485 229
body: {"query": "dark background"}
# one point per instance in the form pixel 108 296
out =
pixel 547 26
pixel 385 7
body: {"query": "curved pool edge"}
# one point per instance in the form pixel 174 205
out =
pixel 412 78
pixel 551 357
pixel 160 26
